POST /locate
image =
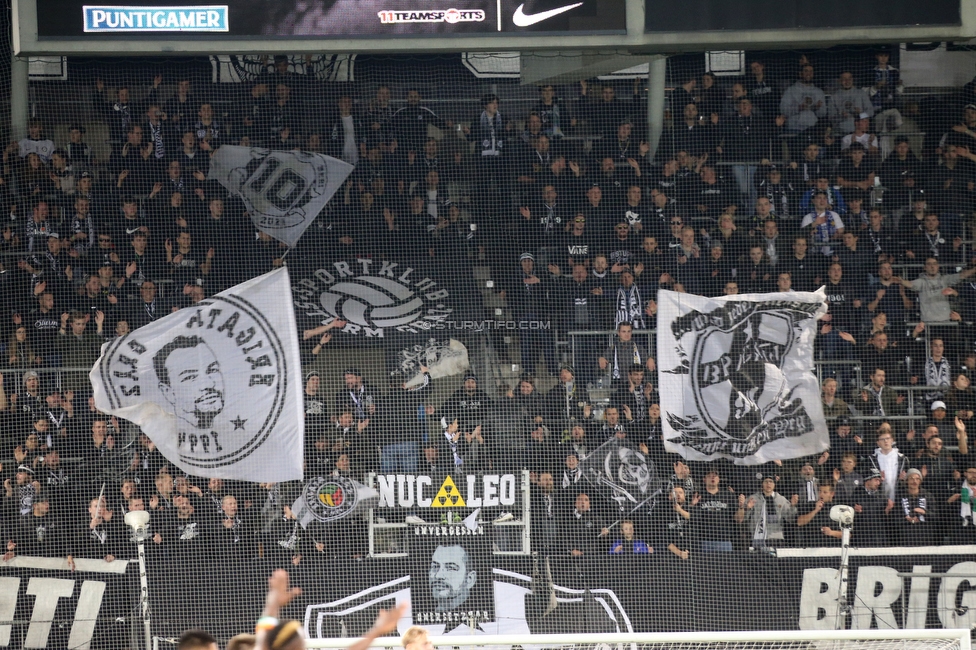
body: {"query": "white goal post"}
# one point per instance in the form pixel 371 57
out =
pixel 819 639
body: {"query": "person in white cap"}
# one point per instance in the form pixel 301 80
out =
pixel 940 420
pixel 862 136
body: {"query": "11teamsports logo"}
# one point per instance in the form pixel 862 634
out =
pixel 451 16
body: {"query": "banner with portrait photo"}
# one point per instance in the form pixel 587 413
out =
pixel 457 592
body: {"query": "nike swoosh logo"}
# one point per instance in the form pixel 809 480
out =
pixel 521 19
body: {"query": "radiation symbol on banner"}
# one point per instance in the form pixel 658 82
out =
pixel 448 496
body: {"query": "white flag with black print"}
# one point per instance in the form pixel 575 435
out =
pixel 283 191
pixel 217 385
pixel 736 376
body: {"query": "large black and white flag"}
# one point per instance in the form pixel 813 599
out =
pixel 283 191
pixel 736 376
pixel 441 357
pixel 216 386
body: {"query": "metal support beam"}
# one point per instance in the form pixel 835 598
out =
pixel 657 72
pixel 19 98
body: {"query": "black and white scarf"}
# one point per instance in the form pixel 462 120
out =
pixel 937 374
pixel 454 444
pixel 57 421
pixel 125 115
pixel 571 477
pixel 156 134
pixel 907 507
pixel 934 242
pixel 362 402
pixel 491 128
pixel 290 543
pixel 569 394
pixel 630 307
pixel 99 535
pixel 875 241
pixel 56 477
pixel 617 373
pixel 640 401
pixel 26 494
pixel 768 515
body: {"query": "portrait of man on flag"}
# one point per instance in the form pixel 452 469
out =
pixel 217 387
pixel 190 379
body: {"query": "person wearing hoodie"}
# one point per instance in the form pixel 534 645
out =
pixel 803 103
pixel 890 463
pixel 847 103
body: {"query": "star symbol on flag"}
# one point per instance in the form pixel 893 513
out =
pixel 238 423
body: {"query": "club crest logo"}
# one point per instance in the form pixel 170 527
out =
pixel 329 498
pixel 372 296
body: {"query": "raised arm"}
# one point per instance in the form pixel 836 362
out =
pixel 279 595
pixel 385 623
pixel 907 283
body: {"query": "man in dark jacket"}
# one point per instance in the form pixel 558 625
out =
pixel 528 296
pixel 464 417
pixel 404 426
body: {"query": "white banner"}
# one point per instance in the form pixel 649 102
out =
pixel 216 386
pixel 283 190
pixel 736 376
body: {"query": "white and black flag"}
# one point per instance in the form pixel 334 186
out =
pixel 625 477
pixel 736 376
pixel 325 499
pixel 283 191
pixel 442 358
pixel 216 386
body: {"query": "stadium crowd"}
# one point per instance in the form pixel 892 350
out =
pixel 762 184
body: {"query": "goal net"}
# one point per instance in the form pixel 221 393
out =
pixel 823 640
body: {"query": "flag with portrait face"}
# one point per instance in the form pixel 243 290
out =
pixel 217 385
